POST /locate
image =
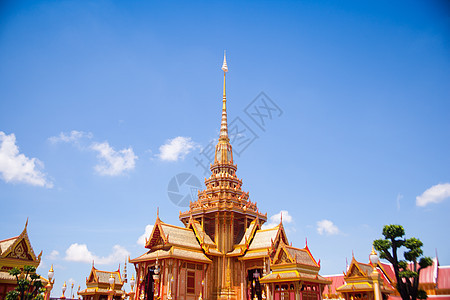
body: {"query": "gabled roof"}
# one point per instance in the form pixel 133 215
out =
pixel 358 269
pixel 290 255
pixel 97 277
pixel 294 264
pixel 205 241
pixel 169 241
pixel 264 238
pixel 244 244
pixel 166 235
pixel 19 247
pixel 294 275
pixel 98 282
pixel 258 242
pixel 358 278
pixel 174 252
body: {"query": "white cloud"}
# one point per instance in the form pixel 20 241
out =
pixel 327 227
pixel 80 253
pixel 276 218
pixel 435 194
pixel 53 255
pixel 147 232
pixel 73 137
pixel 176 148
pixel 16 167
pixel 113 162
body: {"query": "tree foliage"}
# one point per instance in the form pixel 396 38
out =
pixel 29 287
pixel 407 270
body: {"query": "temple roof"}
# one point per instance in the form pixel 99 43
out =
pixel 259 242
pixel 363 286
pixel 101 291
pixel 5 244
pixel 263 238
pixel 293 275
pixel 358 269
pixel 98 282
pixel 18 249
pixel 173 252
pixel 302 256
pixel 203 238
pixel 336 281
pixel 290 255
pixel 443 281
pixel 165 235
pixel 180 236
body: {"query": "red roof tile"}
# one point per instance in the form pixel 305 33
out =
pixel 443 278
pixel 336 281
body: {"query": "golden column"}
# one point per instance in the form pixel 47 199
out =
pixel 373 257
pixel 131 293
pixel 64 288
pixel 111 287
pixel 49 286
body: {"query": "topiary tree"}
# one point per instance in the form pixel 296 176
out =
pixel 28 286
pixel 407 270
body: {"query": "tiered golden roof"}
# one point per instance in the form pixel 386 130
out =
pixel 97 283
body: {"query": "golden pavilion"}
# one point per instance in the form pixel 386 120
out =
pixel 103 285
pixel 16 252
pixel 222 252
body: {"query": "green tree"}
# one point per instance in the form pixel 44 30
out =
pixel 29 285
pixel 407 270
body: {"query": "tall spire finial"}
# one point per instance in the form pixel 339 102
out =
pixel 224 125
pixel 224 65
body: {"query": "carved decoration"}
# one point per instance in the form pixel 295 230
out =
pixel 283 258
pixel 20 252
pixel 355 272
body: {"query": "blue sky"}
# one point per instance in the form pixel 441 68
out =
pixel 102 103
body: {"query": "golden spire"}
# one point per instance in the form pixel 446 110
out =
pixel 223 125
pixel 373 251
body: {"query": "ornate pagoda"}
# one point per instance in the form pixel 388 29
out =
pixel 221 252
pixel 16 252
pixel 102 285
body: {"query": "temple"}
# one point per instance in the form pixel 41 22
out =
pixel 222 252
pixel 103 285
pixel 376 281
pixel 16 252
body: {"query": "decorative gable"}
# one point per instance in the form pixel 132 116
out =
pixel 20 251
pixel 19 248
pixel 355 271
pixel 282 256
pixel 92 278
pixel 157 237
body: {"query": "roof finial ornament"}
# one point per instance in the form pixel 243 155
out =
pixel 223 125
pixel 26 224
pixel 224 65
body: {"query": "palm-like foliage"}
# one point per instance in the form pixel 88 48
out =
pixel 29 287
